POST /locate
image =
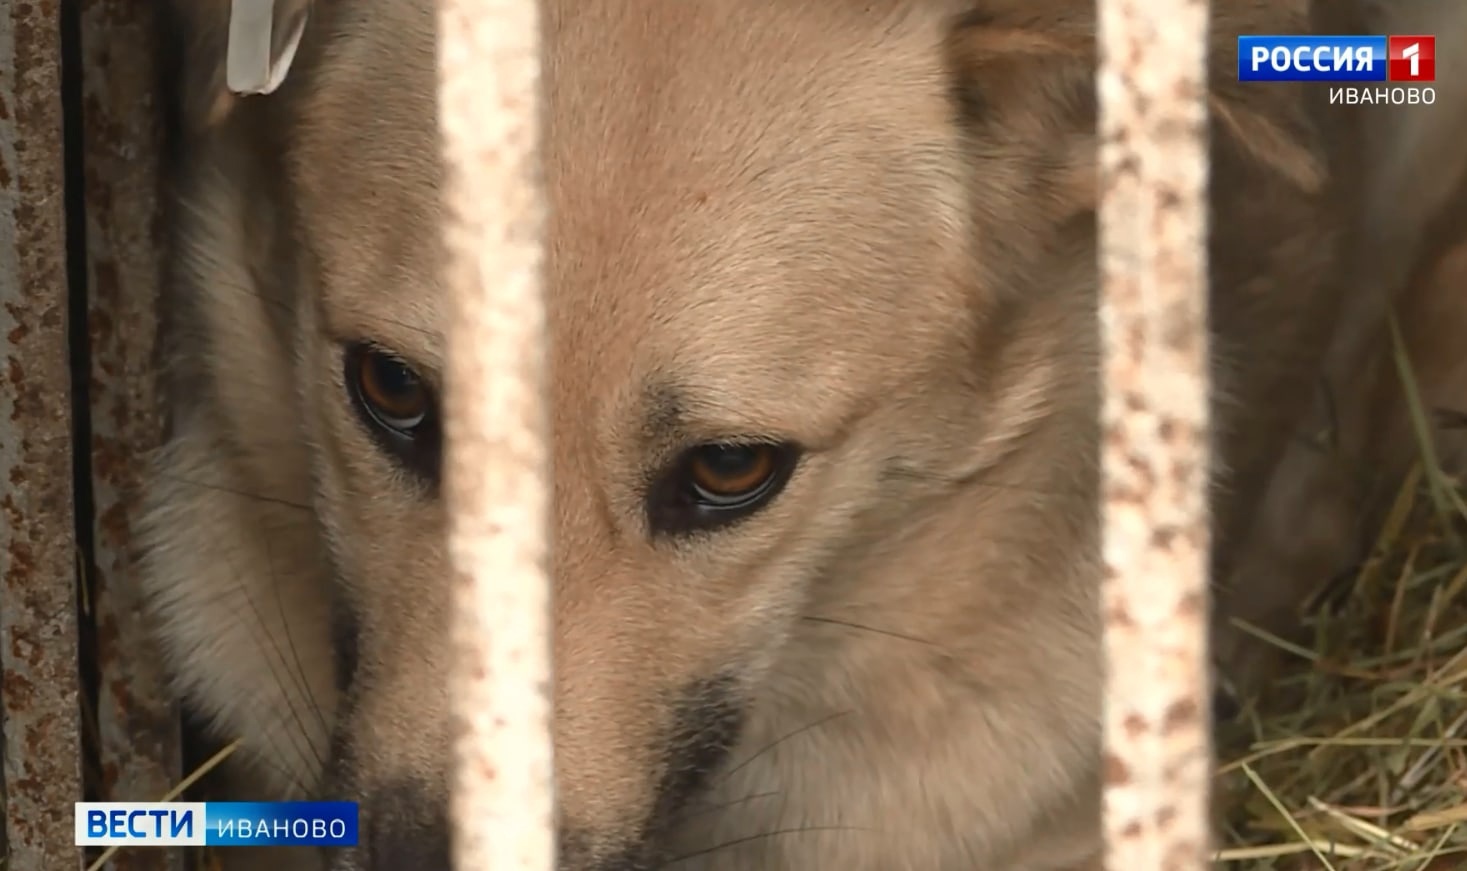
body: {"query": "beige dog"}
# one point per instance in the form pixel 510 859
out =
pixel 824 370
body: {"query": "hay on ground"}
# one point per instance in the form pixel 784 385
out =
pixel 1358 760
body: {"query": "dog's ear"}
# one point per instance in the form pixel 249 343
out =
pixel 1024 79
pixel 1024 88
pixel 232 49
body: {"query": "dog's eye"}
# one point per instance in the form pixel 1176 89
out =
pixel 723 476
pixel 715 484
pixel 393 394
pixel 397 405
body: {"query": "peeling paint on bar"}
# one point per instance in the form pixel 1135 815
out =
pixel 38 639
pixel 497 453
pixel 1153 174
pixel 138 723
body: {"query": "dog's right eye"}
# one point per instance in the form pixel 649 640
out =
pixel 397 405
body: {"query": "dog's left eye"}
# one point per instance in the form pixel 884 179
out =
pixel 725 476
pixel 713 485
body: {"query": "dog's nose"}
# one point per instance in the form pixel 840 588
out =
pixel 407 830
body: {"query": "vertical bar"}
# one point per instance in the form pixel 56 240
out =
pixel 138 740
pixel 1155 455
pixel 38 640
pixel 497 456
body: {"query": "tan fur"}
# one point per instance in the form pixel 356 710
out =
pixel 776 211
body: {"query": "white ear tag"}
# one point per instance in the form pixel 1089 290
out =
pixel 258 58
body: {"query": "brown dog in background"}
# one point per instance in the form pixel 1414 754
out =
pixel 1409 227
pixel 822 284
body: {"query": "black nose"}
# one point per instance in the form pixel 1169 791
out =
pixel 406 829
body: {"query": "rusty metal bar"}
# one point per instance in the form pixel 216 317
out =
pixel 497 432
pixel 1153 257
pixel 138 725
pixel 38 631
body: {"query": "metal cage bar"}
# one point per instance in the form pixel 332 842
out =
pixel 497 438
pixel 38 556
pixel 1155 451
pixel 137 740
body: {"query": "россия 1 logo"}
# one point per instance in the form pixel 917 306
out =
pixel 1340 59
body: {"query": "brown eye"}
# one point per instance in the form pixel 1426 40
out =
pixel 714 485
pixel 727 475
pixel 390 391
pixel 397 407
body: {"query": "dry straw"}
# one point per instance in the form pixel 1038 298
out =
pixel 1356 758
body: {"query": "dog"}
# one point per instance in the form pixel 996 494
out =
pixel 824 355
pixel 1330 491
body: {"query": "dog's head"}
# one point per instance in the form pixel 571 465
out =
pixel 821 312
pixel 767 325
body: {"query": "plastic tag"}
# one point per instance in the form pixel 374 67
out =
pixel 258 57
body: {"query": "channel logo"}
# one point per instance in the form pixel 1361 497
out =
pixel 216 824
pixel 1402 59
pixel 1412 58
